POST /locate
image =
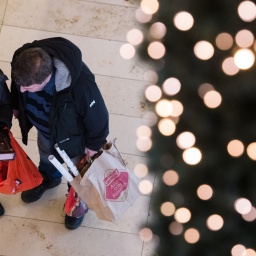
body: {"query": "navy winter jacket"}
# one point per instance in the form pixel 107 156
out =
pixel 5 102
pixel 72 75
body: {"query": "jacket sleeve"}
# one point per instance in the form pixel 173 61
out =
pixel 5 102
pixel 91 106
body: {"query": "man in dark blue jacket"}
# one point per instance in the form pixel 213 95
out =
pixel 5 110
pixel 53 90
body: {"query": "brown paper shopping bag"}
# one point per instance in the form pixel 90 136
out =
pixel 109 187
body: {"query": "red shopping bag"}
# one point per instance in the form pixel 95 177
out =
pixel 19 174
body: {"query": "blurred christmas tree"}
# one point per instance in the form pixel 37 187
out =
pixel 204 141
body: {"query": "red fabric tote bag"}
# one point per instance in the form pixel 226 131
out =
pixel 19 174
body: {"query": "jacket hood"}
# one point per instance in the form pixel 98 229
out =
pixel 67 59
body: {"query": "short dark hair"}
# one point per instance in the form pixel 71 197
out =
pixel 32 66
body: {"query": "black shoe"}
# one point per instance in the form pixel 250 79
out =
pixel 36 193
pixel 1 210
pixel 73 222
pixel 76 216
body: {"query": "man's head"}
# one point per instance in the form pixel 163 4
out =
pixel 33 67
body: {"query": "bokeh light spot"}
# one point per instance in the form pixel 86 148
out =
pixel 156 50
pixel 149 6
pixel 158 30
pixel 127 51
pixel 238 250
pixel 212 99
pixel 164 108
pixel 144 143
pixel 171 86
pixel 183 21
pixel 243 205
pixel 142 17
pixel 250 216
pixel 251 151
pixel 170 178
pixel 175 228
pixel 177 108
pixel 182 215
pixel 145 187
pixel 134 36
pixel 244 58
pixel 192 156
pixel 153 93
pixel 143 130
pixel 244 38
pixel 140 170
pixel 215 222
pixel 167 209
pixel 235 148
pixel 204 88
pixel 146 234
pixel 192 235
pixel 186 140
pixel 224 41
pixel 203 50
pixel 247 11
pixel 166 126
pixel 229 67
pixel 204 192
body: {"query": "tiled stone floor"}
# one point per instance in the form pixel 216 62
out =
pixel 99 28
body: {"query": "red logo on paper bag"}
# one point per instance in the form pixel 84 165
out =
pixel 116 184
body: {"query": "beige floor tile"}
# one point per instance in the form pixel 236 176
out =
pixel 3 4
pixel 83 18
pixel 124 129
pixel 29 237
pixel 50 209
pixel 130 3
pixel 123 96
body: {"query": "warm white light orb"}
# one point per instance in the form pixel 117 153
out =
pixel 235 148
pixel 212 99
pixel 156 50
pixel 244 38
pixel 153 93
pixel 164 108
pixel 204 192
pixel 170 178
pixel 238 250
pixel 127 51
pixel 134 36
pixel 215 222
pixel 243 205
pixel 192 156
pixel 244 58
pixel 186 140
pixel 251 150
pixel 166 126
pixel 247 11
pixel 149 6
pixel 167 209
pixel 203 50
pixel 171 86
pixel 158 30
pixel 229 67
pixel 145 187
pixel 182 215
pixel 192 235
pixel 140 170
pixel 183 21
